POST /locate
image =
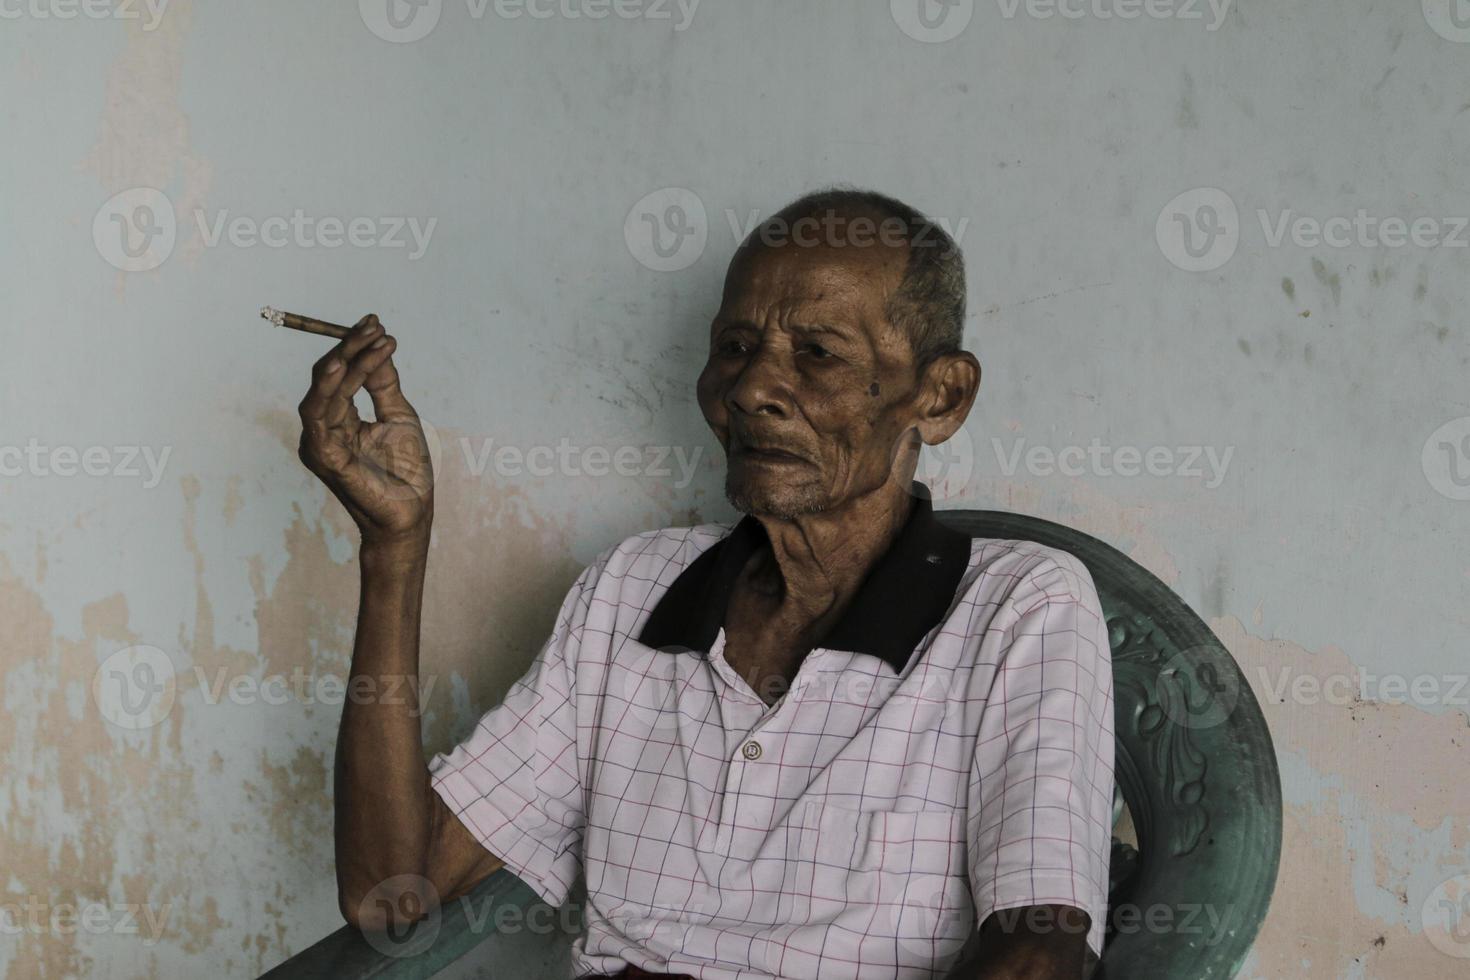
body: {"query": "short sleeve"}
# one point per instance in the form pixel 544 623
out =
pixel 1041 782
pixel 514 782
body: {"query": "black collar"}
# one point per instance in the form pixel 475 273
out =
pixel 905 595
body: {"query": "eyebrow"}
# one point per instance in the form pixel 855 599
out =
pixel 804 329
pixel 821 328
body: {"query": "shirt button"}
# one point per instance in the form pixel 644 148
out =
pixel 751 750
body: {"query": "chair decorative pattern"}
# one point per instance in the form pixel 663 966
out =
pixel 1140 657
pixel 1194 762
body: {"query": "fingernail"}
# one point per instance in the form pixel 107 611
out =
pixel 334 365
pixel 379 342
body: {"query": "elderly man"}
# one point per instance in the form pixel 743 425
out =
pixel 831 740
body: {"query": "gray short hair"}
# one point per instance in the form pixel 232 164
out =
pixel 929 305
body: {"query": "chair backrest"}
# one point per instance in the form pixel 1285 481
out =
pixel 1193 763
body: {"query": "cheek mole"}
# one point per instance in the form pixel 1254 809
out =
pixel 873 389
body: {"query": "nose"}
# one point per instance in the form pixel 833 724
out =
pixel 763 386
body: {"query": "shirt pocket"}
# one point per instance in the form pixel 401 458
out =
pixel 873 864
pixel 883 887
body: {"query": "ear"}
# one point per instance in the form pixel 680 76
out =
pixel 946 392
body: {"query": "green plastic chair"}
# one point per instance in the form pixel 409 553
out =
pixel 1195 771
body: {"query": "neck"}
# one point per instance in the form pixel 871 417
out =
pixel 817 562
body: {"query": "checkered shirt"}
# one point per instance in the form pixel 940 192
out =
pixel 862 826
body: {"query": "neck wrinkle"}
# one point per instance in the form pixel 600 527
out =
pixel 820 560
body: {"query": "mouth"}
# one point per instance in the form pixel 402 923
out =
pixel 765 454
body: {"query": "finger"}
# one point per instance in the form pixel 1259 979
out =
pixel 326 373
pixel 342 411
pixel 364 364
pixel 358 335
pixel 389 403
pixel 339 396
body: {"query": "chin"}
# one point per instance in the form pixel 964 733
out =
pixel 770 498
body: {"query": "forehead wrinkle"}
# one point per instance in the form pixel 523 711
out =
pixel 845 299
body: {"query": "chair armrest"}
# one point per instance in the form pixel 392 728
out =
pixel 518 932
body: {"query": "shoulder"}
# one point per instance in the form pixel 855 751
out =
pixel 637 570
pixel 652 554
pixel 1024 573
pixel 616 591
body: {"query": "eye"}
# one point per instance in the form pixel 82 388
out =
pixel 816 350
pixel 731 347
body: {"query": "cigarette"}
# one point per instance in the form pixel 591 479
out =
pixel 305 323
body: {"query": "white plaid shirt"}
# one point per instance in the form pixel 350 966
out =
pixel 947 753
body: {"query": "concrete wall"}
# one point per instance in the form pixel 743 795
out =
pixel 177 594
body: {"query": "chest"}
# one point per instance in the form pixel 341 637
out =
pixel 702 798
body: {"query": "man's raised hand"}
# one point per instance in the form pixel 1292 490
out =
pixel 379 470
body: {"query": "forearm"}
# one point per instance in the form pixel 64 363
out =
pixel 382 791
pixel 1039 942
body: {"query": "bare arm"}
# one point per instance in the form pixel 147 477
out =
pixel 1038 942
pixel 399 849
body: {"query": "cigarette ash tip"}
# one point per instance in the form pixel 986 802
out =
pixel 274 315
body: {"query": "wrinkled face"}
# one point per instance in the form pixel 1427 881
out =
pixel 808 387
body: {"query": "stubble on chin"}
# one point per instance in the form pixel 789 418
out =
pixel 776 500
